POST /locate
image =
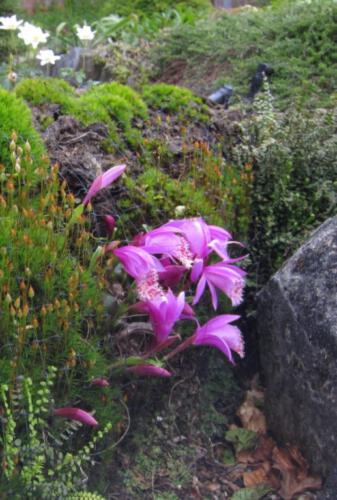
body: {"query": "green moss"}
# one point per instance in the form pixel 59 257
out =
pixel 154 196
pixel 43 90
pixel 173 99
pixel 15 115
pixel 114 104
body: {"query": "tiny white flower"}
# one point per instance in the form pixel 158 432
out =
pixel 32 35
pixel 9 23
pixel 85 33
pixel 12 76
pixel 179 210
pixel 47 56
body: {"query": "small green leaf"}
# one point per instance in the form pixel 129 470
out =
pixel 251 493
pixel 242 439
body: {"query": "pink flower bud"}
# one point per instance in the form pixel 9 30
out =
pixel 110 223
pixel 76 414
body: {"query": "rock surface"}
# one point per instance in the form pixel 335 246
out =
pixel 297 323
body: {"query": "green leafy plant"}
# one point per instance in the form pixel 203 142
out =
pixel 38 458
pixel 295 38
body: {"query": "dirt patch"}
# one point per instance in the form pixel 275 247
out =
pixel 174 72
pixel 201 80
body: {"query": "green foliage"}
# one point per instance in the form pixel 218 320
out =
pixel 156 196
pixel 36 458
pixel 113 104
pixel 76 11
pixel 296 39
pixel 175 100
pixel 39 91
pixel 85 496
pixel 15 115
pixel 253 493
pixel 242 439
pixel 294 188
pixel 50 299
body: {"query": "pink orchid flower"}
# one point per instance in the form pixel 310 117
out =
pixel 188 241
pixel 149 370
pixel 227 278
pixel 219 333
pixel 76 414
pixel 136 261
pixel 102 181
pixel 164 311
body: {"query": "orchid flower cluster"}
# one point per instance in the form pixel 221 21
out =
pixel 180 252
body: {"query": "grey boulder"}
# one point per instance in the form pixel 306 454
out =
pixel 297 325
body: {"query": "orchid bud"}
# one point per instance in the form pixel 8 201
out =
pixel 110 223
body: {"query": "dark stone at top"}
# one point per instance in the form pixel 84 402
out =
pixel 222 95
pixel 263 70
pixel 297 325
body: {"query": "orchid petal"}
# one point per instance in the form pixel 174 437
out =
pixel 200 290
pixel 103 181
pixel 197 269
pixel 149 370
pixel 76 414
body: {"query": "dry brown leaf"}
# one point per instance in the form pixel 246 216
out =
pixel 213 487
pixel 264 449
pixel 251 417
pixel 245 457
pixel 298 458
pixel 256 477
pixel 291 485
pixel 283 461
pixel 274 479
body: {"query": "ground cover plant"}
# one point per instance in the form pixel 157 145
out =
pixel 295 38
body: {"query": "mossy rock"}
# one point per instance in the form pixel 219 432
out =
pixel 39 91
pixel 175 100
pixel 114 104
pixel 16 116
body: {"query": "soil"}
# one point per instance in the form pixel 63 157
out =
pixel 80 151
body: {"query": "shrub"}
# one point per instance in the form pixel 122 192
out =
pixel 294 189
pixel 295 38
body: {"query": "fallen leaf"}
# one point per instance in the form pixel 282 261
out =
pixel 213 487
pixel 291 486
pixel 257 477
pixel 251 417
pixel 282 460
